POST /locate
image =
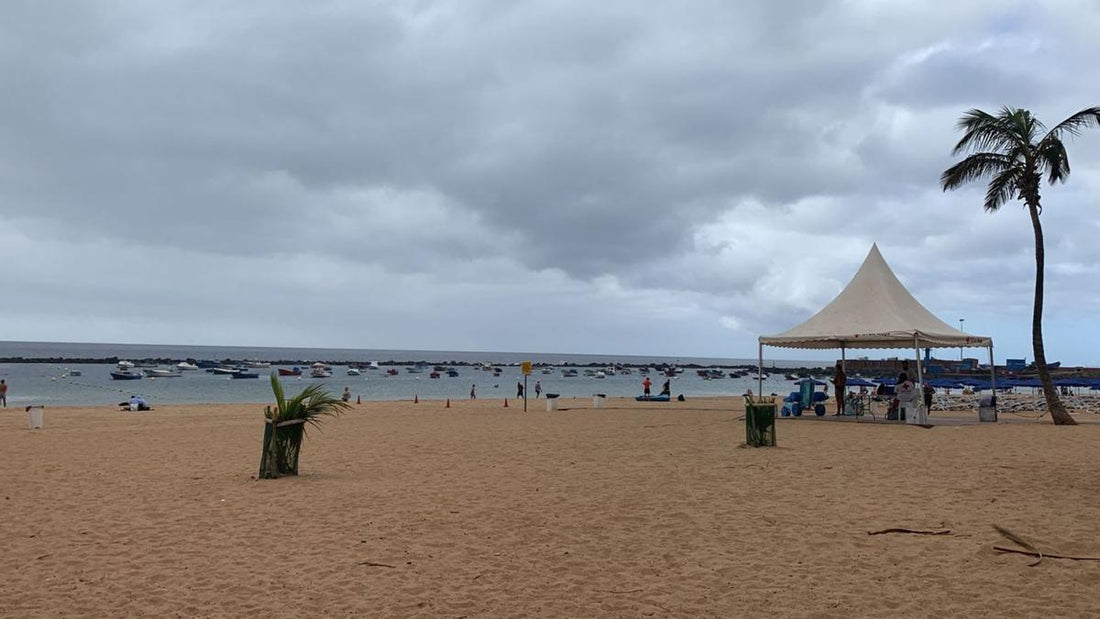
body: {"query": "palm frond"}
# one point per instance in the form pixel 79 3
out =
pixel 1052 157
pixel 1023 124
pixel 1074 124
pixel 983 131
pixel 975 167
pixel 280 398
pixel 1002 188
pixel 313 404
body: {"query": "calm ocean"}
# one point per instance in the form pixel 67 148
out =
pixel 51 384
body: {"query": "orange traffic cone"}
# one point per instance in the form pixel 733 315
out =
pixel 416 399
pixel 358 399
pixel 505 402
pixel 448 403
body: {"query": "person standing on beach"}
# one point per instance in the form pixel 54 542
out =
pixel 538 389
pixel 4 392
pixel 473 392
pixel 645 386
pixel 666 389
pixel 346 396
pixel 840 381
pixel 519 390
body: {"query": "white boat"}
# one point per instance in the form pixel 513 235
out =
pixel 125 365
pixel 601 374
pixel 223 370
pixel 373 365
pixel 160 373
pixel 320 372
pixel 184 366
pixel 257 364
pixel 354 372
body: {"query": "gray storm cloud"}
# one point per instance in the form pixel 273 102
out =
pixel 535 176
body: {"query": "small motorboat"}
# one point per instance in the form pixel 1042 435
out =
pixel 354 372
pixel 125 365
pixel 295 371
pixel 453 373
pixel 392 372
pixel 184 366
pixel 433 375
pixel 244 374
pixel 161 373
pixel 126 375
pixel 321 372
pixel 257 364
pixel 223 370
pixel 75 373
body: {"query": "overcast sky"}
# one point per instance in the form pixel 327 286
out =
pixel 590 177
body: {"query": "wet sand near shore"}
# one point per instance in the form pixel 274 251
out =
pixel 636 509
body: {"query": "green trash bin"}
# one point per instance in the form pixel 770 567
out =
pixel 760 421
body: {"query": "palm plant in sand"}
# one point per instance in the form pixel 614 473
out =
pixel 1014 150
pixel 286 426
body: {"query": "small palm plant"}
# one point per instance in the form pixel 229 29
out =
pixel 286 426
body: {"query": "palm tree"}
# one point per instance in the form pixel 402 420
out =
pixel 1012 150
pixel 286 426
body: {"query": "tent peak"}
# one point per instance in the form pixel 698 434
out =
pixel 874 311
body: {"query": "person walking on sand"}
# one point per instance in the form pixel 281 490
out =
pixel 4 392
pixel 519 390
pixel 666 389
pixel 839 381
pixel 473 392
pixel 645 386
pixel 538 389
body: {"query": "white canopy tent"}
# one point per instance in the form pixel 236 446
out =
pixel 875 311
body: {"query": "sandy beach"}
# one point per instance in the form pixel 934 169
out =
pixel 634 510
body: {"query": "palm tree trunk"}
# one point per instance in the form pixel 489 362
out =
pixel 1057 411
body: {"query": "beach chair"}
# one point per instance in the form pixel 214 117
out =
pixel 856 405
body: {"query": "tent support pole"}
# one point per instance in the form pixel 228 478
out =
pixel 843 361
pixel 760 370
pixel 916 348
pixel 992 370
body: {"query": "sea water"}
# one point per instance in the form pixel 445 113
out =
pixel 53 384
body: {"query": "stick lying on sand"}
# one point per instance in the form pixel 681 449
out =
pixel 372 564
pixel 1031 550
pixel 913 531
pixel 1043 555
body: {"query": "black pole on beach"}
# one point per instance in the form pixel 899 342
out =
pixel 525 393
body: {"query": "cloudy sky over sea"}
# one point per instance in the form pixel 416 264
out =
pixel 590 177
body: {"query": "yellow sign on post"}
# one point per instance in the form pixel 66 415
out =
pixel 525 367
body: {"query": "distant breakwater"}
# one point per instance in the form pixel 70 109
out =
pixel 409 362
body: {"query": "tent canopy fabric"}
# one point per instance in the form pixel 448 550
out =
pixel 874 311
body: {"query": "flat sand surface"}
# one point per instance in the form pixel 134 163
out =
pixel 649 509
